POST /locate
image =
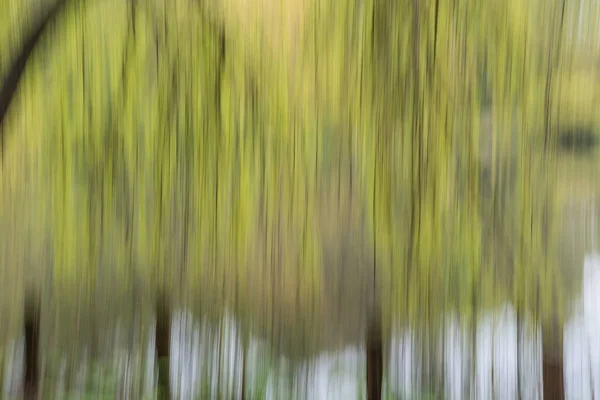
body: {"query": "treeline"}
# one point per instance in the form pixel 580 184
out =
pixel 186 150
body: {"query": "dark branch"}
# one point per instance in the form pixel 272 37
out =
pixel 15 72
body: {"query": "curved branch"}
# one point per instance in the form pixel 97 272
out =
pixel 15 72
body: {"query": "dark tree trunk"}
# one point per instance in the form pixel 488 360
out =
pixel 552 365
pixel 243 394
pixel 554 388
pixel 374 360
pixel 32 338
pixel 163 346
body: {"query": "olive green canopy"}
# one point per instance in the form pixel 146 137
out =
pixel 298 165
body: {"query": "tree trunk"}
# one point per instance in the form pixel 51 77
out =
pixel 243 394
pixel 163 346
pixel 554 388
pixel 32 337
pixel 552 365
pixel 374 360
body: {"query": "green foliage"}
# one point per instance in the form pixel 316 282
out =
pixel 179 147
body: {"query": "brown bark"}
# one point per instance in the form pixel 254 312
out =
pixel 374 360
pixel 554 388
pixel 243 394
pixel 552 364
pixel 32 337
pixel 163 346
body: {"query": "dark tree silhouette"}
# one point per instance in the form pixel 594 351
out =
pixel 32 337
pixel 17 67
